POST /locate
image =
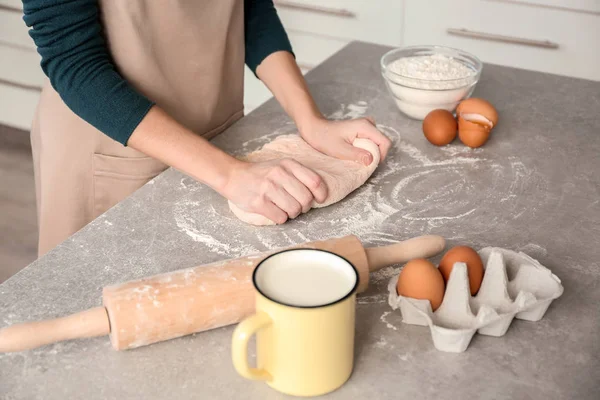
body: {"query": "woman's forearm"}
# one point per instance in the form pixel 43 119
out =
pixel 161 137
pixel 282 76
pixel 284 79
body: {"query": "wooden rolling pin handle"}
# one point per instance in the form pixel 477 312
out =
pixel 84 324
pixel 419 247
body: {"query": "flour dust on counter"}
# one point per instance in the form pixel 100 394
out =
pixel 373 299
pixel 350 111
pixel 195 228
pixel 383 318
pixel 414 191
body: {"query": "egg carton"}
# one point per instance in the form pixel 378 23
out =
pixel 514 286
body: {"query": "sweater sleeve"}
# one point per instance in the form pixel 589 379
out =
pixel 263 32
pixel 68 35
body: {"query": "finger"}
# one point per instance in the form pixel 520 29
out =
pixel 274 213
pixel 309 178
pixel 369 131
pixel 286 202
pixel 347 151
pixel 299 191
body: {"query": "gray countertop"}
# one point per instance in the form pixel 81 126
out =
pixel 534 187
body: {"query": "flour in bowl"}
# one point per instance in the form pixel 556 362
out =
pixel 436 71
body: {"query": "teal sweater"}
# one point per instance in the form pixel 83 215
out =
pixel 68 36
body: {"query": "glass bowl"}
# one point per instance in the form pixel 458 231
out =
pixel 417 97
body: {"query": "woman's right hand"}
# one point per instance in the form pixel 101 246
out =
pixel 277 189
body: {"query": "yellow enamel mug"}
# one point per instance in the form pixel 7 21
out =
pixel 304 323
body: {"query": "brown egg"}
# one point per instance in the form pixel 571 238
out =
pixel 420 279
pixel 471 134
pixel 439 127
pixel 478 111
pixel 468 256
pixel 476 118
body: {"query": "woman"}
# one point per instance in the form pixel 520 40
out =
pixel 139 85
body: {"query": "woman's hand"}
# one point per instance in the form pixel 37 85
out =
pixel 335 138
pixel 278 189
pixel 281 74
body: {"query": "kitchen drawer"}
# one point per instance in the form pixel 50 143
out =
pixel 20 66
pixel 561 42
pixel 311 49
pixel 17 106
pixel 13 30
pixel 378 21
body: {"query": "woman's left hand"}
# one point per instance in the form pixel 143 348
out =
pixel 335 138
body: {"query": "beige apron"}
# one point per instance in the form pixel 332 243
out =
pixel 187 56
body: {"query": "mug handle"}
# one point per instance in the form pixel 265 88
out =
pixel 239 346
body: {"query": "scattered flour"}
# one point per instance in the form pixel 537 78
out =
pixel 533 250
pixel 415 191
pixel 202 230
pixel 420 191
pixel 188 226
pixel 382 343
pixel 592 269
pixel 374 299
pixel 384 274
pixel 383 319
pixel 350 111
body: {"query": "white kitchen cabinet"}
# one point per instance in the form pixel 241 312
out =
pixel 319 28
pixel 310 51
pixel 376 21
pixel 21 67
pixel 588 6
pixel 556 36
pixel 13 30
pixel 21 76
pixel 537 36
pixel 17 106
pixel 11 4
pixel 255 92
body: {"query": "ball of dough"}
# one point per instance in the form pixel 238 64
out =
pixel 341 177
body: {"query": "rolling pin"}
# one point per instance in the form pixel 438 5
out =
pixel 178 303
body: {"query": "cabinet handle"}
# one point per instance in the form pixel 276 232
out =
pixel 34 88
pixel 585 8
pixel 502 38
pixel 6 7
pixel 338 12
